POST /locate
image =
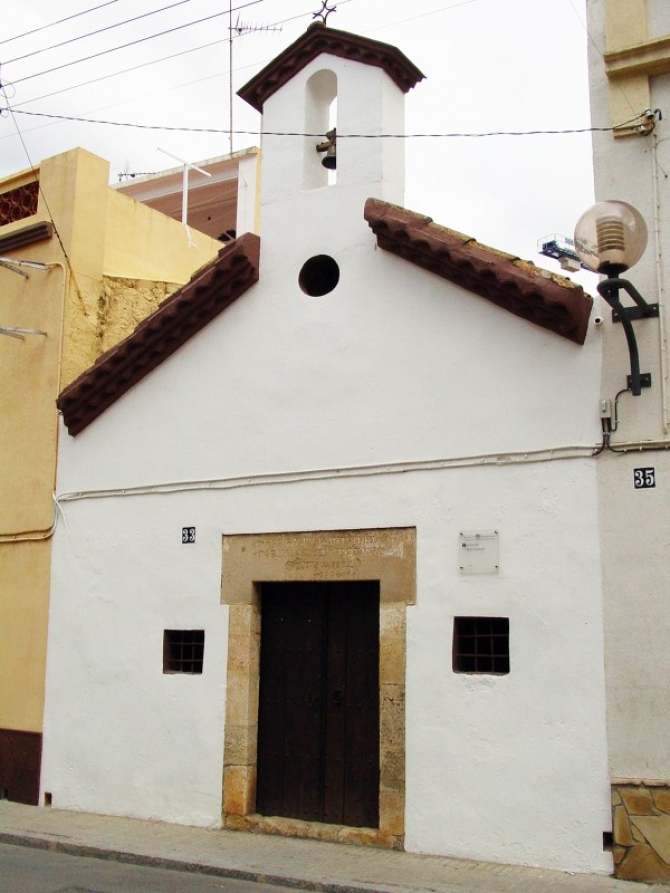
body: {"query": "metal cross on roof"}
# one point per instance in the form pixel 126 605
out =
pixel 324 12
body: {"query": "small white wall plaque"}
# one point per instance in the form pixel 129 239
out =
pixel 478 552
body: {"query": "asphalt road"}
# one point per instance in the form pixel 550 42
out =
pixel 28 870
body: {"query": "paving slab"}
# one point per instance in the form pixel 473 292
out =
pixel 305 864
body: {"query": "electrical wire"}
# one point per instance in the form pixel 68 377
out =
pixel 133 43
pixel 595 45
pixel 123 71
pixel 363 136
pixel 63 43
pixel 39 186
pixel 114 74
pixel 76 15
pixel 263 479
pixel 422 15
pixel 48 210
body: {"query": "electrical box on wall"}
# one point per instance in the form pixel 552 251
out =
pixel 478 552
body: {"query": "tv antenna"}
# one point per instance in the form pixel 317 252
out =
pixel 237 30
pixel 184 188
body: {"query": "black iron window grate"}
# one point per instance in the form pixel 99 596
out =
pixel 183 650
pixel 481 645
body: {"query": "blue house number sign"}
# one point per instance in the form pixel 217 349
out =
pixel 644 478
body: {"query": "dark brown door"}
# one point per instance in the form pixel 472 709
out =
pixel 318 719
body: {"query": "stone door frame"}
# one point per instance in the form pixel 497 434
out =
pixel 384 554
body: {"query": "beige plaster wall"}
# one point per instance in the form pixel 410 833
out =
pixel 24 595
pixel 113 236
pixel 116 261
pixel 625 22
pixel 634 53
pixel 137 238
pixel 29 371
pixel 123 304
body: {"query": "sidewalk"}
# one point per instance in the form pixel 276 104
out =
pixel 307 864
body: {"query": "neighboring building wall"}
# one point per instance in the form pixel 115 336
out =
pixel 225 201
pixel 634 523
pixel 124 240
pixel 124 303
pixel 82 312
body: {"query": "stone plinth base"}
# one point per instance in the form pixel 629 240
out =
pixel 313 830
pixel 641 830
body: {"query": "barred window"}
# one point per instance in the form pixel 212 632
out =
pixel 481 645
pixel 183 650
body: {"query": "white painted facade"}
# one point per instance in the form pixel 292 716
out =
pixel 636 572
pixel 397 400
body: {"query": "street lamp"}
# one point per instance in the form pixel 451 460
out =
pixel 609 238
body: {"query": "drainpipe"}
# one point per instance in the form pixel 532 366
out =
pixel 663 335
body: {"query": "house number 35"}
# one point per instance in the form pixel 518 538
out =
pixel 643 478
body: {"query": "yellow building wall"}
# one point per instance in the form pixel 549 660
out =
pixel 28 441
pixel 632 57
pixel 115 261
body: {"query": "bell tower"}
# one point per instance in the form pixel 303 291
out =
pixel 330 97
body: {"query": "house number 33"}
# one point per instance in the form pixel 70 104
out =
pixel 643 478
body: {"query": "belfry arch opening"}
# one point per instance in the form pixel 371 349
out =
pixel 320 119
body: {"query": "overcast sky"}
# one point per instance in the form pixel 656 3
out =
pixel 490 65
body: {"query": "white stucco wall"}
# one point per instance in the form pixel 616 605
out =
pixel 394 366
pixel 636 572
pixel 508 768
pixel 338 398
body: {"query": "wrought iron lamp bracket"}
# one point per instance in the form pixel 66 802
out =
pixel 609 289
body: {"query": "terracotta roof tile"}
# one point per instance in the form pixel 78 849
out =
pixel 189 309
pixel 541 297
pixel 319 39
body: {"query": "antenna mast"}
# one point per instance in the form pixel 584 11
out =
pixel 237 30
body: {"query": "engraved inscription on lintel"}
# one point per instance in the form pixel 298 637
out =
pixel 385 554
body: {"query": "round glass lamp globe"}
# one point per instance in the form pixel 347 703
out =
pixel 610 237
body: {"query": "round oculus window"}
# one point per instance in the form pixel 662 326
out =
pixel 319 275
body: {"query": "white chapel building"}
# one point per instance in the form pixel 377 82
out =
pixel 328 560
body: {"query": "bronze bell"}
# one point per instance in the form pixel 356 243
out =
pixel 329 147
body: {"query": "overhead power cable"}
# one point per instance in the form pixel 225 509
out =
pixel 58 22
pixel 122 71
pixel 54 46
pixel 113 74
pixel 359 136
pixel 134 42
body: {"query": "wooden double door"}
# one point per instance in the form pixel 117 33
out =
pixel 318 725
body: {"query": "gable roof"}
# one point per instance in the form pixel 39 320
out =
pixel 320 39
pixel 211 289
pixel 536 295
pixel 551 301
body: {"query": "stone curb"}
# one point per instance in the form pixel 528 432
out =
pixel 92 852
